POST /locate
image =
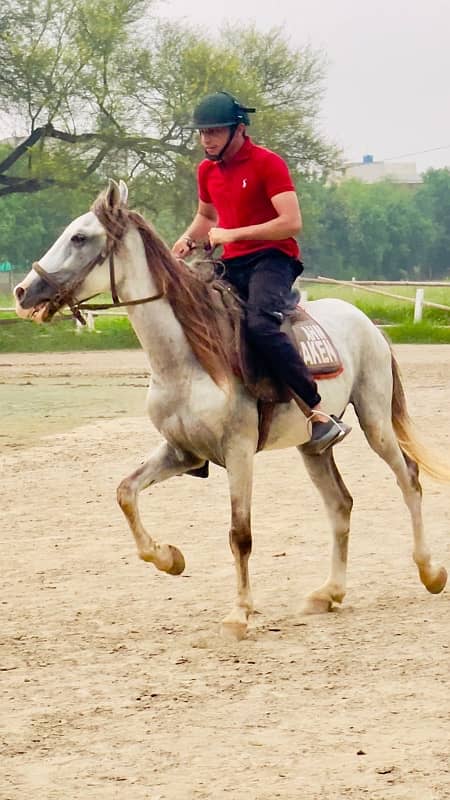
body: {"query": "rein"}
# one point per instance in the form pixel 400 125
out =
pixel 64 294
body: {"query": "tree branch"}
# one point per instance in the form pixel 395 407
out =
pixel 22 148
pixel 27 185
pixel 97 160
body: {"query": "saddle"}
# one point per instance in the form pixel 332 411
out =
pixel 315 346
pixel 307 335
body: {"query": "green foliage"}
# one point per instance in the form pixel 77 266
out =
pixel 30 224
pixel 286 85
pixel 378 231
pixel 433 203
pixel 106 90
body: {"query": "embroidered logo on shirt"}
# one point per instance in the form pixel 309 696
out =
pixel 244 183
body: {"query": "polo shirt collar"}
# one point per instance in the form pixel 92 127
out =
pixel 242 154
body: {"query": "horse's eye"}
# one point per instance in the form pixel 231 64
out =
pixel 78 239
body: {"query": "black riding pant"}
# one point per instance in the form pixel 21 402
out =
pixel 264 280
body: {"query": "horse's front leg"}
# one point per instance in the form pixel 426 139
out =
pixel 239 465
pixel 163 463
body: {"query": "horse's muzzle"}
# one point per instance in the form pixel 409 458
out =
pixel 34 302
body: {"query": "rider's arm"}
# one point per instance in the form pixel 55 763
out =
pixel 288 222
pixel 197 231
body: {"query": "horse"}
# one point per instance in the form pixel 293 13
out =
pixel 202 409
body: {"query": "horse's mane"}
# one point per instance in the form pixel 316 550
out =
pixel 191 298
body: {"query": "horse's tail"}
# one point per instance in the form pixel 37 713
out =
pixel 404 431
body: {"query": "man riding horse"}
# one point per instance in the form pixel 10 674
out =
pixel 248 204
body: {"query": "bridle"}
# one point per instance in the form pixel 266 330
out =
pixel 65 294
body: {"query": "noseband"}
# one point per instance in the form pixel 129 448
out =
pixel 65 294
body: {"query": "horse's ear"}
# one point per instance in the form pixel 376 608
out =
pixel 123 189
pixel 112 195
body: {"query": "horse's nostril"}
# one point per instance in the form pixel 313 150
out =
pixel 19 292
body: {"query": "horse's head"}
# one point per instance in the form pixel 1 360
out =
pixel 76 266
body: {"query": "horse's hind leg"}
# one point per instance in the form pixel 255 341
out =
pixel 338 502
pixel 383 441
pixel 163 463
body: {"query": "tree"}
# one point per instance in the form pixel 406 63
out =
pixel 286 85
pixel 29 223
pixel 107 90
pixel 365 230
pixel 433 205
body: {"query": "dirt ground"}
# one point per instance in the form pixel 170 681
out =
pixel 115 680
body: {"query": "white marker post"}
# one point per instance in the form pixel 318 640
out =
pixel 418 305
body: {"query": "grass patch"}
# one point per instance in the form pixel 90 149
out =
pixel 419 333
pixel 22 336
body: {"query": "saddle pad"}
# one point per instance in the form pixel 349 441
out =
pixel 316 347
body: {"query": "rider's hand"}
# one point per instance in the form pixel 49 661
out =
pixel 183 247
pixel 220 236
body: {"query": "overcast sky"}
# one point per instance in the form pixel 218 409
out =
pixel 388 67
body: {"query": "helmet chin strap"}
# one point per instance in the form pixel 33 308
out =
pixel 219 156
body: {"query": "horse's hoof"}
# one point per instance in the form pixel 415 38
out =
pixel 178 562
pixel 436 585
pixel 236 631
pixel 317 605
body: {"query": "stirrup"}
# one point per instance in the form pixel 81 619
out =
pixel 328 437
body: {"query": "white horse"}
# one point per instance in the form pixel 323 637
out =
pixel 202 410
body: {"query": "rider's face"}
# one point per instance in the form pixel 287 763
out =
pixel 213 139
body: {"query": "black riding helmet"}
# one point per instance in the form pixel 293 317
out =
pixel 220 110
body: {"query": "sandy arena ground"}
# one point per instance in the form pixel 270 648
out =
pixel 115 680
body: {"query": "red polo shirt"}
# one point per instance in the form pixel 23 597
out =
pixel 241 189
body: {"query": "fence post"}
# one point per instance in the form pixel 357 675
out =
pixel 90 319
pixel 418 305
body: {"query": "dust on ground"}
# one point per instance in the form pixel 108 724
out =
pixel 116 682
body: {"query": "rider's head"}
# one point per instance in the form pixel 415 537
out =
pixel 221 120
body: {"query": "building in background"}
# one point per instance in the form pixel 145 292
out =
pixel 370 171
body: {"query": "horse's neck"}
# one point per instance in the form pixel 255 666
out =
pixel 155 324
